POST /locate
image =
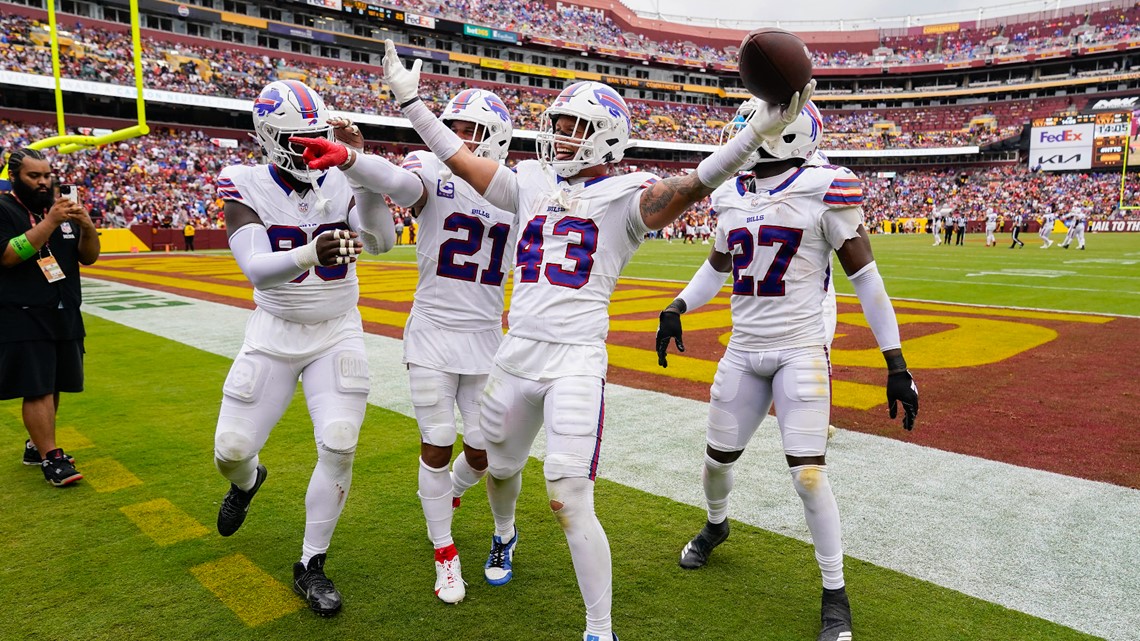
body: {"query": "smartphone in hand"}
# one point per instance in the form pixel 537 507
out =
pixel 70 192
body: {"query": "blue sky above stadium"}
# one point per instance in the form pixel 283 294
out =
pixel 856 14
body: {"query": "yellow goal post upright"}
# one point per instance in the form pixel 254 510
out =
pixel 1124 167
pixel 69 143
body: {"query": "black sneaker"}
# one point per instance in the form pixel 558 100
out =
pixel 835 616
pixel 58 470
pixel 696 552
pixel 316 588
pixel 32 455
pixel 235 505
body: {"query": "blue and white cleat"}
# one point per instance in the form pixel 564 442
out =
pixel 497 569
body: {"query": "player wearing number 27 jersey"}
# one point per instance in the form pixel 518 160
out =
pixel 777 229
pixel 577 228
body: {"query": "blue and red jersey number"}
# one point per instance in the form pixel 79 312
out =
pixel 469 246
pixel 529 254
pixel 789 239
pixel 286 237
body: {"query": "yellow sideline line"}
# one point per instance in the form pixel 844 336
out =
pixel 163 522
pixel 247 590
pixel 108 475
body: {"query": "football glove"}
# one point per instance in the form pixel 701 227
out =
pixel 668 326
pixel 769 121
pixel 322 153
pixel 901 389
pixel 403 83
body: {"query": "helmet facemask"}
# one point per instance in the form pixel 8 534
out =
pixel 288 155
pixel 578 148
pixel 595 129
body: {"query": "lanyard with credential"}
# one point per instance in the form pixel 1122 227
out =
pixel 48 264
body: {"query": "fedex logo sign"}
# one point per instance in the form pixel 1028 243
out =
pixel 1067 135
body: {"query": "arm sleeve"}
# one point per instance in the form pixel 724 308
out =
pixel 503 191
pixel 372 216
pixel 703 287
pixel 876 305
pixel 376 174
pixel 264 267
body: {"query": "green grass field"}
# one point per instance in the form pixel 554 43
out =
pixel 78 568
pixel 1103 278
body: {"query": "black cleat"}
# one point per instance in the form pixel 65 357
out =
pixel 58 469
pixel 696 552
pixel 235 504
pixel 835 616
pixel 32 455
pixel 316 588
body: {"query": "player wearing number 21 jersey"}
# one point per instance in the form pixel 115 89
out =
pixel 776 231
pixel 577 226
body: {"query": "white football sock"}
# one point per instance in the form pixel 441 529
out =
pixel 435 497
pixel 589 550
pixel 463 476
pixel 717 480
pixel 822 515
pixel 324 501
pixel 503 494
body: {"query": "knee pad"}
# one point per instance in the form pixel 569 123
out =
pixel 810 482
pixel 339 437
pixel 501 469
pixel 352 375
pixel 433 399
pixel 246 379
pixel 232 442
pixel 571 499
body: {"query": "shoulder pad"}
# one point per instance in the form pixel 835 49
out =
pixel 227 189
pixel 845 190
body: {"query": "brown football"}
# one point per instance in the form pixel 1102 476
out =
pixel 774 64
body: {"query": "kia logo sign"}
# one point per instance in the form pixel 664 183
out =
pixel 1058 159
pixel 1067 135
pixel 1115 104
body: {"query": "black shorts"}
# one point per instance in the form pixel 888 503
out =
pixel 38 368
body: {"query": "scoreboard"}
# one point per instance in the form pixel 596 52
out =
pixel 1084 141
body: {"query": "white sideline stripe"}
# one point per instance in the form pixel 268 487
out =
pixel 1057 547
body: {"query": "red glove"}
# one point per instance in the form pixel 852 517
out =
pixel 322 153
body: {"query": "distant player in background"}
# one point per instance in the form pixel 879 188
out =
pixel 1015 231
pixel 1076 220
pixel 1047 222
pixel 779 227
pixel 455 325
pixel 293 233
pixel 936 222
pixel 991 228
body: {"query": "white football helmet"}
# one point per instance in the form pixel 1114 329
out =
pixel 286 108
pixel 488 111
pixel 799 140
pixel 606 116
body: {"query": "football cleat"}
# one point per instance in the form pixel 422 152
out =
pixel 58 469
pixel 696 552
pixel 586 636
pixel 835 616
pixel 316 588
pixel 449 584
pixel 235 504
pixel 455 501
pixel 497 570
pixel 32 455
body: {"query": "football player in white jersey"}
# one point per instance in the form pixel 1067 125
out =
pixel 991 227
pixel 777 230
pixel 578 226
pixel 936 223
pixel 1076 220
pixel 456 325
pixel 1047 223
pixel 293 233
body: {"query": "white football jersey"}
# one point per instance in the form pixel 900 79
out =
pixel 781 232
pixel 464 250
pixel 1048 220
pixel 291 220
pixel 991 218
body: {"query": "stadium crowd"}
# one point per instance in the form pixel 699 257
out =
pixel 104 56
pixel 167 179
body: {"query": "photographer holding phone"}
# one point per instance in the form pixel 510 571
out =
pixel 44 240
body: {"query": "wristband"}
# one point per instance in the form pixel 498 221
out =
pixel 895 363
pixel 23 247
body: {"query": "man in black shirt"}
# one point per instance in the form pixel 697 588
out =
pixel 41 347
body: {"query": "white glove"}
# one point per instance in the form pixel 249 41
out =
pixel 403 83
pixel 769 121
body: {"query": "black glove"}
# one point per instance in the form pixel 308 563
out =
pixel 668 326
pixel 900 388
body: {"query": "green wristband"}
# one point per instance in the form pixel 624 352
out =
pixel 23 247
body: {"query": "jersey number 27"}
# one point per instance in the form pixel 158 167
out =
pixel 773 282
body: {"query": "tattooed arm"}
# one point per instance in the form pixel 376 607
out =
pixel 666 200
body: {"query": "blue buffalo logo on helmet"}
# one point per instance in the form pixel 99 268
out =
pixel 268 102
pixel 612 101
pixel 498 107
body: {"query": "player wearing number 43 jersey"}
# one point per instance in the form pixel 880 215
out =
pixel 578 227
pixel 456 322
pixel 294 234
pixel 776 231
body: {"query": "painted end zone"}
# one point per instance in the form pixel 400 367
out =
pixel 1052 391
